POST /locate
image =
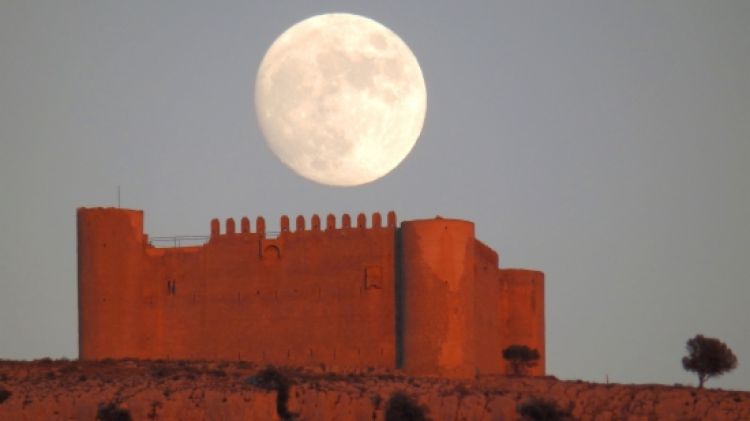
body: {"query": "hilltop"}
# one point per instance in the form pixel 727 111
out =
pixel 165 390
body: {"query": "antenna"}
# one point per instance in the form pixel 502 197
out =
pixel 118 195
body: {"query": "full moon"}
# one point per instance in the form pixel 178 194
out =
pixel 340 99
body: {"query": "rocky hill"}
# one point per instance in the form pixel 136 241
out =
pixel 179 390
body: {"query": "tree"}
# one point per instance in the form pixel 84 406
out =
pixel 520 358
pixel 708 357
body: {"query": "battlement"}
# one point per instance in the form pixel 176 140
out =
pixel 347 292
pixel 300 225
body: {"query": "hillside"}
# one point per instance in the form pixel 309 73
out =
pixel 172 390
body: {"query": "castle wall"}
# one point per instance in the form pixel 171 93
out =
pixel 521 311
pixel 488 341
pixel 428 297
pixel 317 295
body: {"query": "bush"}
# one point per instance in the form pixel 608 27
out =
pixel 708 357
pixel 520 358
pixel 402 407
pixel 537 409
pixel 4 395
pixel 111 412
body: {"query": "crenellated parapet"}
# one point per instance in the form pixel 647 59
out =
pixel 344 223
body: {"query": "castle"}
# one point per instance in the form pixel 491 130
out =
pixel 426 296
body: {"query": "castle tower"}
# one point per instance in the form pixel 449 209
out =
pixel 110 255
pixel 521 312
pixel 438 297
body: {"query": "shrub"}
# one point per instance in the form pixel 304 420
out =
pixel 520 358
pixel 402 407
pixel 4 395
pixel 537 409
pixel 112 412
pixel 708 357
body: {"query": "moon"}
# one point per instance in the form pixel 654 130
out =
pixel 340 99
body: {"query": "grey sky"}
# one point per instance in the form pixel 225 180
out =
pixel 606 143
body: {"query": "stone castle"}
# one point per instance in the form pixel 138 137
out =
pixel 426 296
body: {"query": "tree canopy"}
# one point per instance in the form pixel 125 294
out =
pixel 520 358
pixel 708 357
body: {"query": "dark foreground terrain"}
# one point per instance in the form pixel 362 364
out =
pixel 178 390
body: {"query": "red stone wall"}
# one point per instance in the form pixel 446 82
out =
pixel 110 256
pixel 313 296
pixel 521 312
pixel 439 310
pixel 488 341
pixel 319 294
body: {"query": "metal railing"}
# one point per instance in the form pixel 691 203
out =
pixel 179 241
pixel 192 240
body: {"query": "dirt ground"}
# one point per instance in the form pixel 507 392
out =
pixel 200 390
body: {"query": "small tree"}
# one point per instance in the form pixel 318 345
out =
pixel 708 357
pixel 520 358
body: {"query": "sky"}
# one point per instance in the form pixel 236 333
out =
pixel 604 143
